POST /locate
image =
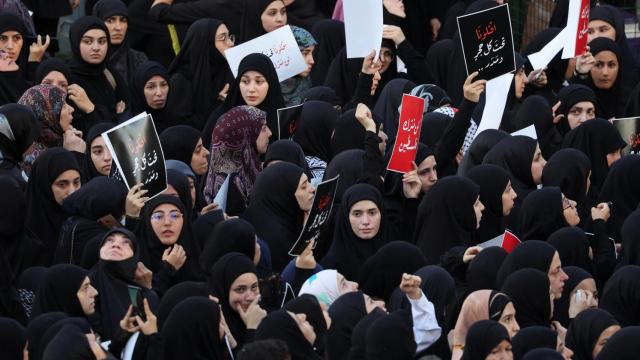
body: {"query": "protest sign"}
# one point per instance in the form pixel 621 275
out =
pixel 542 58
pixel 279 45
pixel 288 121
pixel 221 195
pixel 362 27
pixel 318 216
pixel 137 153
pixel 487 42
pixel 497 91
pixel 508 241
pixel 529 131
pixel 408 136
pixel 629 129
pixel 577 29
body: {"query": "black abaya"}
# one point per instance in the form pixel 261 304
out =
pixel 529 292
pixel 493 181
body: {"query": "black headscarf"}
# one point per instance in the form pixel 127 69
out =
pixel 530 254
pixel 315 128
pixel 569 96
pixel 390 337
pixel 483 336
pixel 483 269
pixel 45 216
pixel 556 68
pixel 274 211
pixel 533 337
pixel 541 214
pixel 349 133
pixel 289 151
pixel 585 330
pixel 50 65
pixel 561 306
pixel 596 138
pixel 433 126
pixel 630 242
pixel 272 102
pixel 536 110
pixel 179 142
pixel 19 127
pixel 58 290
pixel 529 292
pixel 224 272
pixel 569 169
pixel 493 181
pixel 331 39
pixel 308 304
pixel 345 314
pixel 280 325
pixel 382 273
pixel 13 338
pixel 515 154
pixel 70 343
pixel 572 246
pixel 203 65
pixel 38 326
pixel 175 295
pixel 623 345
pixel 180 184
pixel 89 168
pixel 446 217
pixel 12 22
pixel 388 104
pixel 233 235
pixel 138 102
pixel 322 93
pixel 612 101
pixel 204 225
pixel 251 23
pixel 348 252
pixel 358 349
pixel 621 296
pixel 479 148
pixel 393 181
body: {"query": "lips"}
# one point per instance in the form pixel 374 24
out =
pixel 167 233
pixel 106 168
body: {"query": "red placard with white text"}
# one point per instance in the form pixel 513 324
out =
pixel 583 28
pixel 408 137
pixel 577 29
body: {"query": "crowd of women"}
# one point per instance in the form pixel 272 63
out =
pixel 92 270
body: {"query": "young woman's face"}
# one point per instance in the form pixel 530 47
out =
pixel 253 88
pixel 537 164
pixel 365 218
pixel 156 90
pixel 508 320
pixel 87 297
pixel 605 72
pixel 566 353
pixel 344 285
pixel 428 173
pixel 305 328
pixel 557 277
pixel 116 247
pixel 65 184
pixel 521 82
pixel 508 199
pixel 93 46
pixel 11 42
pixel 601 28
pixel 262 142
pixel 101 156
pixel 244 290
pixel 613 157
pixel 117 26
pixel 199 159
pixel 66 116
pixel 478 207
pixel 307 54
pixel 502 351
pixel 370 304
pixel 274 16
pixel 570 211
pixel 386 57
pixel 167 221
pixel 223 39
pixel 192 190
pixel 305 193
pixel 581 112
pixel 56 78
pixel 603 338
pixel 375 82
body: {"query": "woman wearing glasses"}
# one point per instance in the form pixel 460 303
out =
pixel 167 243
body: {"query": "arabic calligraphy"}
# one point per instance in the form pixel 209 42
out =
pixel 143 162
pixel 488 30
pixel 492 46
pixel 137 145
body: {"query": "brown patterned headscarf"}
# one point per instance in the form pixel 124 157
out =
pixel 46 101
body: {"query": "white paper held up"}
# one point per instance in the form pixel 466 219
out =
pixel 362 27
pixel 497 90
pixel 543 57
pixel 529 131
pixel 221 196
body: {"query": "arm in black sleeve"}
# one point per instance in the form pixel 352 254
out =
pixel 453 137
pixel 163 279
pixel 183 13
pixel 604 253
pixel 401 214
pixel 372 162
pixel 301 275
pixel 417 68
pixel 362 94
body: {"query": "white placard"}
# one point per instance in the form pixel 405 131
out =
pixel 529 131
pixel 497 91
pixel 543 57
pixel 221 195
pixel 279 45
pixel 362 27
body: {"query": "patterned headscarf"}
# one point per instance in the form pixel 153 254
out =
pixel 46 101
pixel 294 88
pixel 233 150
pixel 303 37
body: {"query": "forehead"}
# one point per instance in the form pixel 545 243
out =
pixel 606 55
pixel 94 33
pixel 364 205
pixel 599 23
pixel 583 105
pixel 166 207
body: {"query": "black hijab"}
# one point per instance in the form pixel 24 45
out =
pixel 493 181
pixel 58 290
pixel 38 326
pixel 180 184
pixel 529 292
pixel 569 169
pixel 533 337
pixel 13 83
pixel 541 214
pixel 530 254
pixel 204 66
pixel 572 245
pixel 561 306
pixel 585 330
pixel 569 96
pixel 45 216
pixel 233 235
pixel 388 104
pixel 322 93
pixel 204 225
pixel 288 151
pixel 623 345
pixel 556 68
pixel 630 241
pixel 446 217
pixel 479 148
pixel 70 343
pixel 483 269
pixel 280 325
pixel 596 138
pixel 50 65
pixel 13 338
pixel 308 304
pixel 390 337
pixel 179 142
pixel 315 128
pixel 611 102
pixel 224 272
pixel 381 274
pixel 19 127
pixel 536 110
pixel 621 296
pixel 89 169
pixel 358 349
pixel 345 314
pixel 251 23
pixel 348 252
pixel 274 211
pixel 175 295
pixel 162 118
pixel 515 155
pixel 349 133
pixel 331 39
pixel 483 336
pixel 433 126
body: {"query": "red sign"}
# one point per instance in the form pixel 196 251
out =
pixel 510 241
pixel 583 28
pixel 408 137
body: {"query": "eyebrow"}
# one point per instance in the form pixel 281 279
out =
pixel 92 38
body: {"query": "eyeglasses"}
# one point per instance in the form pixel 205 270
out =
pixel 566 203
pixel 160 216
pixel 387 56
pixel 227 37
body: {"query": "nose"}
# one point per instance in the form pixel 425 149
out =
pixel 206 152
